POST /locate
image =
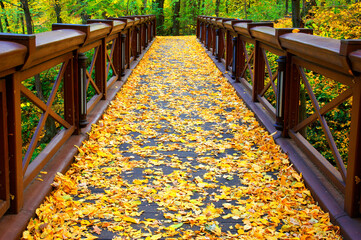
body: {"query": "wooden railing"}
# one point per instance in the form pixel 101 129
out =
pixel 245 48
pixel 89 59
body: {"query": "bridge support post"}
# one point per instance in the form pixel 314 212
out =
pixel 138 42
pixel 82 59
pixel 228 49
pixel 217 44
pixel 146 36
pixel 200 32
pixel 15 143
pixel 220 52
pixel 207 37
pixel 353 180
pixel 123 39
pixel 280 92
pixel 234 63
pixel 258 71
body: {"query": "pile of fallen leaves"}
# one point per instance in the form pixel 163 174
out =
pixel 178 156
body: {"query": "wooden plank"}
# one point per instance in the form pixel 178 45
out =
pixel 111 81
pixel 258 71
pixel 4 164
pixel 268 106
pixel 327 169
pixel 92 102
pixel 353 185
pixel 337 76
pixel 46 154
pixel 324 125
pixel 15 142
pixel 69 91
pixel 30 72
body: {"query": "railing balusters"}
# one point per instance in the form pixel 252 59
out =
pixel 22 57
pixel 296 51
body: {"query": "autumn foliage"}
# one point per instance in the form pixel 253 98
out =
pixel 179 156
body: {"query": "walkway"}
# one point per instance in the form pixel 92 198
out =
pixel 178 156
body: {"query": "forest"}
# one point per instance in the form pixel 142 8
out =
pixel 178 17
pixel 339 19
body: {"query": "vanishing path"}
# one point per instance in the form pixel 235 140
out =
pixel 178 156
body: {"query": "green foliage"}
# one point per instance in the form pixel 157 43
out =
pixel 338 120
pixel 30 114
pixel 338 19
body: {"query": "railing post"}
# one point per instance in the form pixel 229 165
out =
pixel 138 41
pixel 353 180
pixel 117 56
pixel 258 71
pixel 207 37
pixel 100 70
pixel 228 49
pixel 123 40
pixel 220 52
pixel 241 57
pixel 134 44
pixel 71 95
pixel 15 143
pixel 292 95
pixel 234 63
pixel 212 32
pixel 200 31
pixel 82 79
pixel 146 36
pixel 154 28
pixel 128 48
pixel 217 44
pixel 280 92
pixel 4 157
pixel 197 30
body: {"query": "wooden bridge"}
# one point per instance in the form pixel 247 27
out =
pixel 191 136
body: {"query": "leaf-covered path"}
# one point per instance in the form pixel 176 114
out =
pixel 178 156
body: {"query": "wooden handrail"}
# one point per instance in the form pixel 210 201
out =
pixel 339 60
pixel 17 52
pixel 23 56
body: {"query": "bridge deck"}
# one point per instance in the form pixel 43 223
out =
pixel 178 155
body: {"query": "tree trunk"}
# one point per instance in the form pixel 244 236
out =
pixel 57 8
pixel 245 9
pixel 127 7
pixel 227 7
pixel 307 6
pixel 199 7
pixel 7 26
pixel 286 10
pixel 160 19
pixel 83 14
pixel 217 7
pixel 144 7
pixel 22 20
pixel 28 20
pixel 296 14
pixel 176 23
